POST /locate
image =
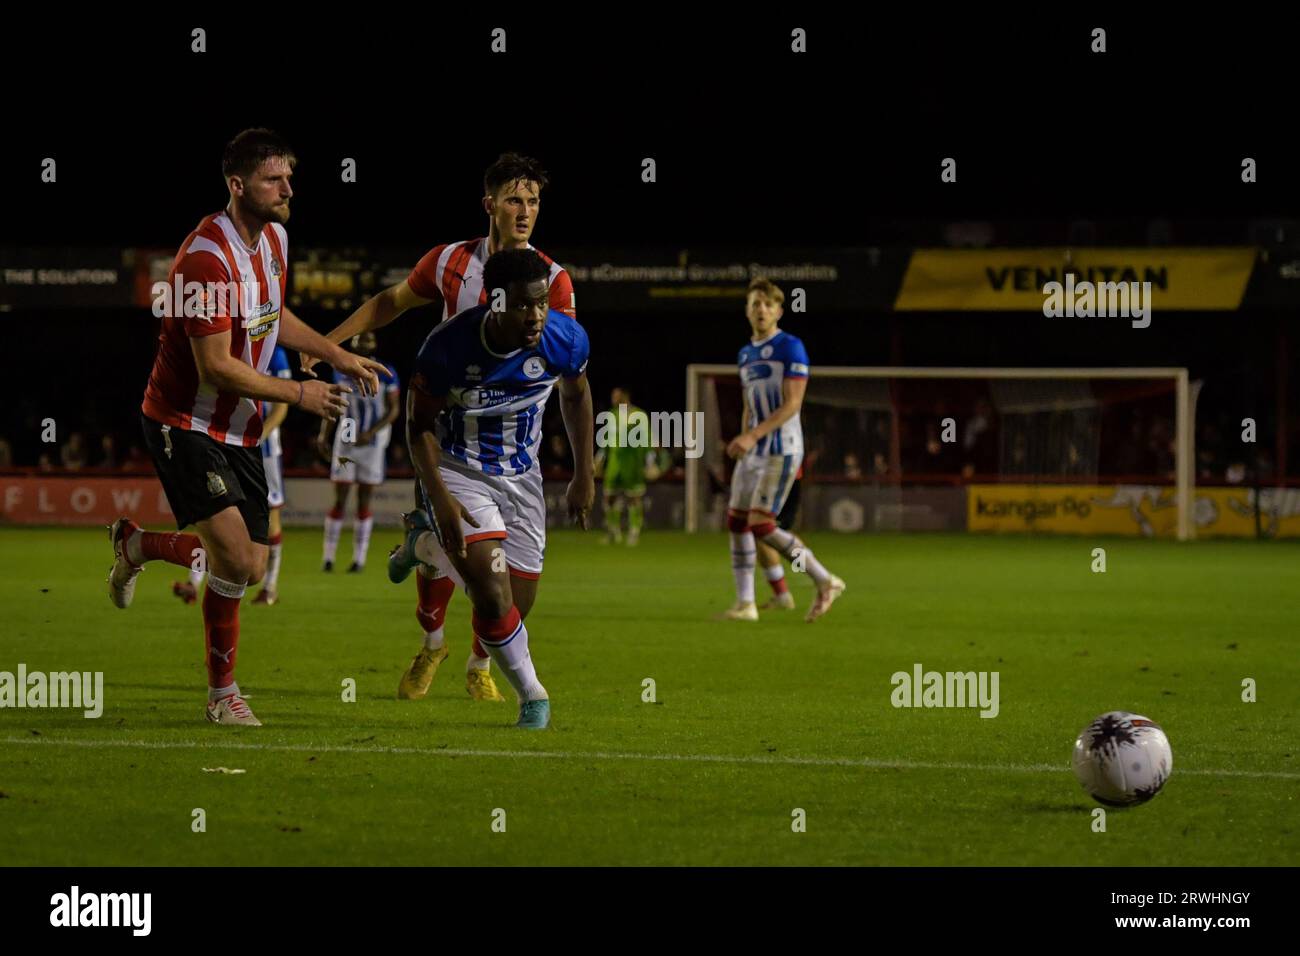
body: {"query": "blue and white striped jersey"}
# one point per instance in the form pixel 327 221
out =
pixel 492 420
pixel 365 410
pixel 764 367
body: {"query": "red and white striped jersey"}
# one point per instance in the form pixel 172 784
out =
pixel 214 257
pixel 453 274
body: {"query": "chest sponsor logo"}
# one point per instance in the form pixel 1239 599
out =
pixel 756 372
pixel 262 326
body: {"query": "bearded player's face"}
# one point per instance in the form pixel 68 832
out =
pixel 267 192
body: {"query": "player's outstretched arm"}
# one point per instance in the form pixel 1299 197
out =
pixel 297 334
pixel 376 312
pixel 792 392
pixel 580 423
pixel 421 418
pixel 218 368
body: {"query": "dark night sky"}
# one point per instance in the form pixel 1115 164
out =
pixel 753 143
pixel 755 147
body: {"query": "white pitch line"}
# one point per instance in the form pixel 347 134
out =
pixel 864 763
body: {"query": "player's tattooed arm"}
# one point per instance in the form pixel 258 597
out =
pixel 376 312
pixel 218 368
pixel 297 334
pixel 580 423
pixel 792 392
pixel 422 410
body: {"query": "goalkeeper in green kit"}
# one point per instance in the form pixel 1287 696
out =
pixel 621 464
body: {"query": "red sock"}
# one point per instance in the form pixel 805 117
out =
pixel 779 586
pixel 175 547
pixel 435 595
pixel 221 629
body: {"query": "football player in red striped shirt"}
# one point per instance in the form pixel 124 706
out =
pixel 223 312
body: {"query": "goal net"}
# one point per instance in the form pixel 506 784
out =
pixel 1069 450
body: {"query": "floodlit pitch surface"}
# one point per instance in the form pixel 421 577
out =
pixel 750 722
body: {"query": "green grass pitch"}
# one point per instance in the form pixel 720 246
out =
pixel 751 721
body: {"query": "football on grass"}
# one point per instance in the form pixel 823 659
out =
pixel 1122 759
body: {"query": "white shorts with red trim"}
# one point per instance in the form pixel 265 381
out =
pixel 354 464
pixel 509 508
pixel 763 482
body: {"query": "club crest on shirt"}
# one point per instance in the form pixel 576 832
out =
pixel 766 352
pixel 216 485
pixel 276 268
pixel 473 371
pixel 535 367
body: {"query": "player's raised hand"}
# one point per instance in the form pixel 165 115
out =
pixel 325 400
pixel 364 371
pixel 579 496
pixel 306 362
pixel 449 513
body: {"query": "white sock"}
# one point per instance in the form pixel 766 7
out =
pixel 476 663
pixel 791 547
pixel 216 693
pixel 512 657
pixel 196 578
pixel 433 640
pixel 333 528
pixel 774 573
pixel 742 565
pixel 361 539
pixel 272 569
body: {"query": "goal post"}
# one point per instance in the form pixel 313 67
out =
pixel 1055 425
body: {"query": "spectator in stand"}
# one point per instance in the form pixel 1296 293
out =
pixel 555 455
pixel 73 454
pixel 137 460
pixel 852 468
pixel 107 454
pixel 44 462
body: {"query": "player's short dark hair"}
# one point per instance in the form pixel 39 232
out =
pixel 510 168
pixel 514 265
pixel 251 148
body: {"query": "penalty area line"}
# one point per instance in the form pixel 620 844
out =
pixel 758 760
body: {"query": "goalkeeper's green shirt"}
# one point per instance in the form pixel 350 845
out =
pixel 625 450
